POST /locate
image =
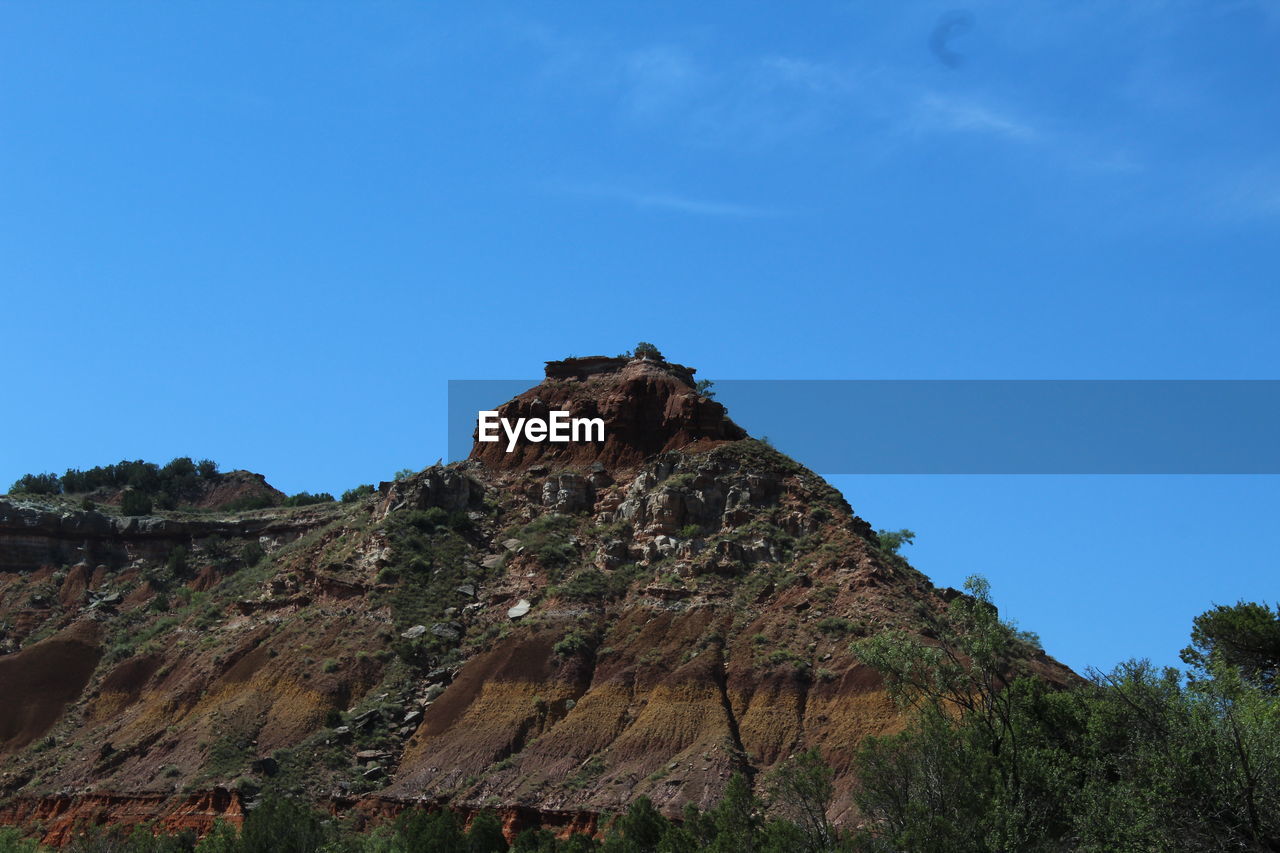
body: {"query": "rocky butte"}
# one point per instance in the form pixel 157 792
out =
pixel 547 633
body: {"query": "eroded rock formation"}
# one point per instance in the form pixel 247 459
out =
pixel 548 633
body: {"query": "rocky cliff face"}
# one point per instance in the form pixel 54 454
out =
pixel 549 633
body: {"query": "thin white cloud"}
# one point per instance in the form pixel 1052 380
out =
pixel 819 78
pixel 939 113
pixel 658 79
pixel 701 207
pixel 653 200
pixel 768 101
pixel 1251 193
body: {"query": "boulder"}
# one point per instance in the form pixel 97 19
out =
pixel 450 631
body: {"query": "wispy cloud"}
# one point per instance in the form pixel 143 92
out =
pixel 948 113
pixel 1249 193
pixel 693 95
pixel 688 94
pixel 658 79
pixel 674 202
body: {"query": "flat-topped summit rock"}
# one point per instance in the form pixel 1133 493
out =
pixel 648 406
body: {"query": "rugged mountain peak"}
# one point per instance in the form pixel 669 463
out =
pixel 549 633
pixel 648 406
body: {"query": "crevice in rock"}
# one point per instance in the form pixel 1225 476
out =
pixel 722 683
pixel 801 710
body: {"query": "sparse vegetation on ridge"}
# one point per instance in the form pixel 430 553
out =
pixel 180 479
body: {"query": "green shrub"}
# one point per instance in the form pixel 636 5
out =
pixel 307 499
pixel 37 484
pixel 586 585
pixel 249 502
pixel 571 644
pixel 485 835
pixel 252 553
pixel 134 502
pixel 835 625
pixel 358 493
pixel 179 480
pixel 177 562
pixel 891 541
pixel 547 538
pixel 436 520
pixel 418 829
pixel 280 825
pixel 11 841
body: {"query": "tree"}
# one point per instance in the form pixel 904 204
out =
pixel 134 502
pixel 11 841
pixel 703 387
pixel 177 561
pixel 485 835
pixel 222 839
pixel 578 843
pixel 891 541
pixel 361 491
pixel 638 830
pixel 967 761
pixel 307 499
pixel 180 466
pixel 736 823
pixel 801 790
pixel 644 349
pixel 533 841
pixel 37 484
pixel 281 825
pixel 437 830
pixel 1245 635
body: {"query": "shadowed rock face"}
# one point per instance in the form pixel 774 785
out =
pixel 550 633
pixel 647 406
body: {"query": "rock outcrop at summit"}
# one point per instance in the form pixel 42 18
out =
pixel 548 633
pixel 648 406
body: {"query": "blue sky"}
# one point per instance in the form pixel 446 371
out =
pixel 269 233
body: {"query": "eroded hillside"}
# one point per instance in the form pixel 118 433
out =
pixel 549 633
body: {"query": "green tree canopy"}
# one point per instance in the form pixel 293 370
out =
pixel 1244 635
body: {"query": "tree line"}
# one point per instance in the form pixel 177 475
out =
pixel 181 478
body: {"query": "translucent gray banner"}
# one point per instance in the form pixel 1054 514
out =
pixel 982 426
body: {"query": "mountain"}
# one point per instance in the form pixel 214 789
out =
pixel 548 632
